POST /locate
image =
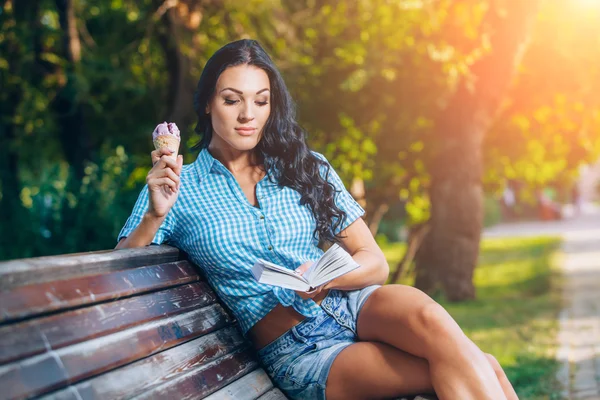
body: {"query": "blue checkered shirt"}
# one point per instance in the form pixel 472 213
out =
pixel 213 222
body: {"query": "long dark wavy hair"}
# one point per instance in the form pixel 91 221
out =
pixel 282 146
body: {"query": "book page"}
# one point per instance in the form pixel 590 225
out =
pixel 274 267
pixel 334 263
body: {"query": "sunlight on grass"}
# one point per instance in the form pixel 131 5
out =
pixel 515 314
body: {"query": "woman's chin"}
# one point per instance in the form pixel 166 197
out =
pixel 244 143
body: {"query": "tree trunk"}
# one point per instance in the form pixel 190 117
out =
pixel 74 137
pixel 416 235
pixel 451 248
pixel 357 190
pixel 179 107
pixel 374 220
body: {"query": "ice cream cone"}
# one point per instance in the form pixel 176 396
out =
pixel 166 135
pixel 167 141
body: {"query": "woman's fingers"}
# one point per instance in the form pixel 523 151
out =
pixel 157 154
pixel 163 181
pixel 165 170
pixel 169 173
pixel 302 269
pixel 164 173
pixel 311 294
pixel 177 169
pixel 166 161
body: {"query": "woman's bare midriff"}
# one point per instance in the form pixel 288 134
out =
pixel 278 321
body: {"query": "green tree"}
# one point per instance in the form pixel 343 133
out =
pixel 450 250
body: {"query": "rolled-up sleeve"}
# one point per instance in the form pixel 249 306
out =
pixel 164 233
pixel 343 199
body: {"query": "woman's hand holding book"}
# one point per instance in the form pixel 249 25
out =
pixel 308 295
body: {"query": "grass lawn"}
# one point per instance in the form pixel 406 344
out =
pixel 515 314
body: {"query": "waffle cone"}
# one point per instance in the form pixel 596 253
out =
pixel 167 141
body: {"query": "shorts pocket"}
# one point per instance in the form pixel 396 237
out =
pixel 302 368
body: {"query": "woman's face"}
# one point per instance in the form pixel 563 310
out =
pixel 240 107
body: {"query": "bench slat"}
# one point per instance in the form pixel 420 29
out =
pixel 56 368
pixel 248 387
pixel 27 301
pixel 206 379
pixel 273 394
pixel 143 375
pixel 43 269
pixel 33 337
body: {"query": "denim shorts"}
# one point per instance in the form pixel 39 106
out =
pixel 299 360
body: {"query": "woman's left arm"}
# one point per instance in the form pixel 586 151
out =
pixel 361 245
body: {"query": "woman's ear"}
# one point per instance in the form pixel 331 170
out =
pixel 207 109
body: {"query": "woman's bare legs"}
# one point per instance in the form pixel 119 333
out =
pixel 410 321
pixel 370 370
pixel 509 391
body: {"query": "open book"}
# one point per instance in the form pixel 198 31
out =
pixel 333 263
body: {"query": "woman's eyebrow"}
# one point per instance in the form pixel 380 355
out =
pixel 240 92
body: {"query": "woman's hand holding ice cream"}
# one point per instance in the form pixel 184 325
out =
pixel 166 135
pixel 163 179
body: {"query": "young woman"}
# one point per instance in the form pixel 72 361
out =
pixel 257 191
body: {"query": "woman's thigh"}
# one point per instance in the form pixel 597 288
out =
pixel 407 319
pixel 370 370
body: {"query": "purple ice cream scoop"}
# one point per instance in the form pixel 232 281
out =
pixel 166 129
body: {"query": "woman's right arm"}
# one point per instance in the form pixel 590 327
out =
pixel 163 189
pixel 143 234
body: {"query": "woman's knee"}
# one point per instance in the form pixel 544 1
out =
pixel 434 323
pixel 495 364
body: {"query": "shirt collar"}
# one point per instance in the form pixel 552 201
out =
pixel 203 163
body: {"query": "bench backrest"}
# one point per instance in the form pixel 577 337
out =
pixel 120 324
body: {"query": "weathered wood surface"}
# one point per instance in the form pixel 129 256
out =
pixel 206 379
pixel 133 379
pixel 34 299
pixel 56 368
pixel 273 394
pixel 56 331
pixel 248 387
pixel 43 269
pixel 119 324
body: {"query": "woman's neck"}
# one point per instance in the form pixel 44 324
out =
pixel 236 161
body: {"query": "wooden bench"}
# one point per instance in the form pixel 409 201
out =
pixel 126 323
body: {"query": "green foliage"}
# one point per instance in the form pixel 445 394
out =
pixel 369 76
pixel 551 119
pixel 63 221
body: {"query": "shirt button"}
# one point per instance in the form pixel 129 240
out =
pixel 262 217
pixel 270 247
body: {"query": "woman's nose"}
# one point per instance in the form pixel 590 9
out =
pixel 247 114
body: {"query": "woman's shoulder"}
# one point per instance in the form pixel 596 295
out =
pixel 318 155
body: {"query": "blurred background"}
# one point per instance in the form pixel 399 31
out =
pixel 468 129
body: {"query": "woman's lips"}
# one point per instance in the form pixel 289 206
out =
pixel 245 131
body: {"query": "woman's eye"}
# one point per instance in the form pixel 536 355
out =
pixel 230 102
pixel 262 103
